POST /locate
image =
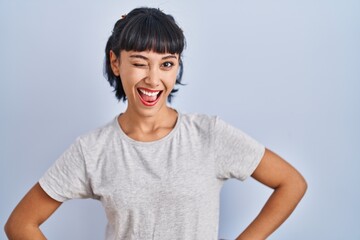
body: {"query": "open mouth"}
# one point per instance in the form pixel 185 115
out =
pixel 149 97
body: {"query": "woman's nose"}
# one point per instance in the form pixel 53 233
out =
pixel 153 78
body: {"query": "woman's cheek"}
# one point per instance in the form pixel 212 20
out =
pixel 138 75
pixel 133 75
pixel 172 77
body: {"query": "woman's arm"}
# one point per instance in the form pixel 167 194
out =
pixel 289 187
pixel 29 214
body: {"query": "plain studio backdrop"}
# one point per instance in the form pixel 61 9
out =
pixel 285 72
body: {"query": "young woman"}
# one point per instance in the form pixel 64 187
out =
pixel 157 172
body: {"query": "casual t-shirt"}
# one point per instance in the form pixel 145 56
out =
pixel 165 189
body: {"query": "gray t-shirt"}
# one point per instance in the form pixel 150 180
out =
pixel 165 189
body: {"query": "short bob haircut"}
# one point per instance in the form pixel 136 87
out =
pixel 144 29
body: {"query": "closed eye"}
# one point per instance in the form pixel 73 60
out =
pixel 139 65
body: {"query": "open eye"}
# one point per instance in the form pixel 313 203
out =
pixel 167 64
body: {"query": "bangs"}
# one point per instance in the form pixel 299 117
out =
pixel 150 33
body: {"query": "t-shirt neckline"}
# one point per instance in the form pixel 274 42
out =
pixel 135 142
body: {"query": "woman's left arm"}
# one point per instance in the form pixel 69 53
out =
pixel 289 187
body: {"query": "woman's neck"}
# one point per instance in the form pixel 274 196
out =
pixel 148 128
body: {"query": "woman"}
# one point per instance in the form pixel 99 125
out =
pixel 157 172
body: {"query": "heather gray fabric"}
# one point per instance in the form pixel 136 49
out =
pixel 166 189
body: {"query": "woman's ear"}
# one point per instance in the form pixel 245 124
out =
pixel 114 63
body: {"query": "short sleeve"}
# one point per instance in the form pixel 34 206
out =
pixel 236 154
pixel 67 177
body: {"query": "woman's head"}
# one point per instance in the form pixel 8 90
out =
pixel 143 29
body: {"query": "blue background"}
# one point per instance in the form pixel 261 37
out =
pixel 285 72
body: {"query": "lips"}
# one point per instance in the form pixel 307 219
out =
pixel 149 97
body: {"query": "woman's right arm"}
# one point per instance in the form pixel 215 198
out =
pixel 29 214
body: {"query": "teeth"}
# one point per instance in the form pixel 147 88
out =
pixel 150 94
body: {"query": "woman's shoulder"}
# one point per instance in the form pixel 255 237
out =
pixel 198 120
pixel 101 134
pixel 197 116
pixel 204 121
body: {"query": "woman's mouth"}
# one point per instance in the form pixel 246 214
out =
pixel 149 97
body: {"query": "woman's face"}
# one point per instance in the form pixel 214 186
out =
pixel 147 78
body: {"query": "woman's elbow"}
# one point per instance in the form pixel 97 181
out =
pixel 16 228
pixel 10 228
pixel 304 185
pixel 300 184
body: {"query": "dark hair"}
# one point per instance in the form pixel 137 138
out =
pixel 140 30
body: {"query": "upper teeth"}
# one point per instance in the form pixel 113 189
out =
pixel 150 94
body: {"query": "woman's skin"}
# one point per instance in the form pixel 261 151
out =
pixel 29 214
pixel 289 187
pixel 151 72
pixel 146 73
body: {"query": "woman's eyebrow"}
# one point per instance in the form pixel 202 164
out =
pixel 170 56
pixel 145 58
pixel 138 56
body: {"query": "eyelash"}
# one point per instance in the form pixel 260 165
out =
pixel 139 65
pixel 171 64
pixel 162 65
